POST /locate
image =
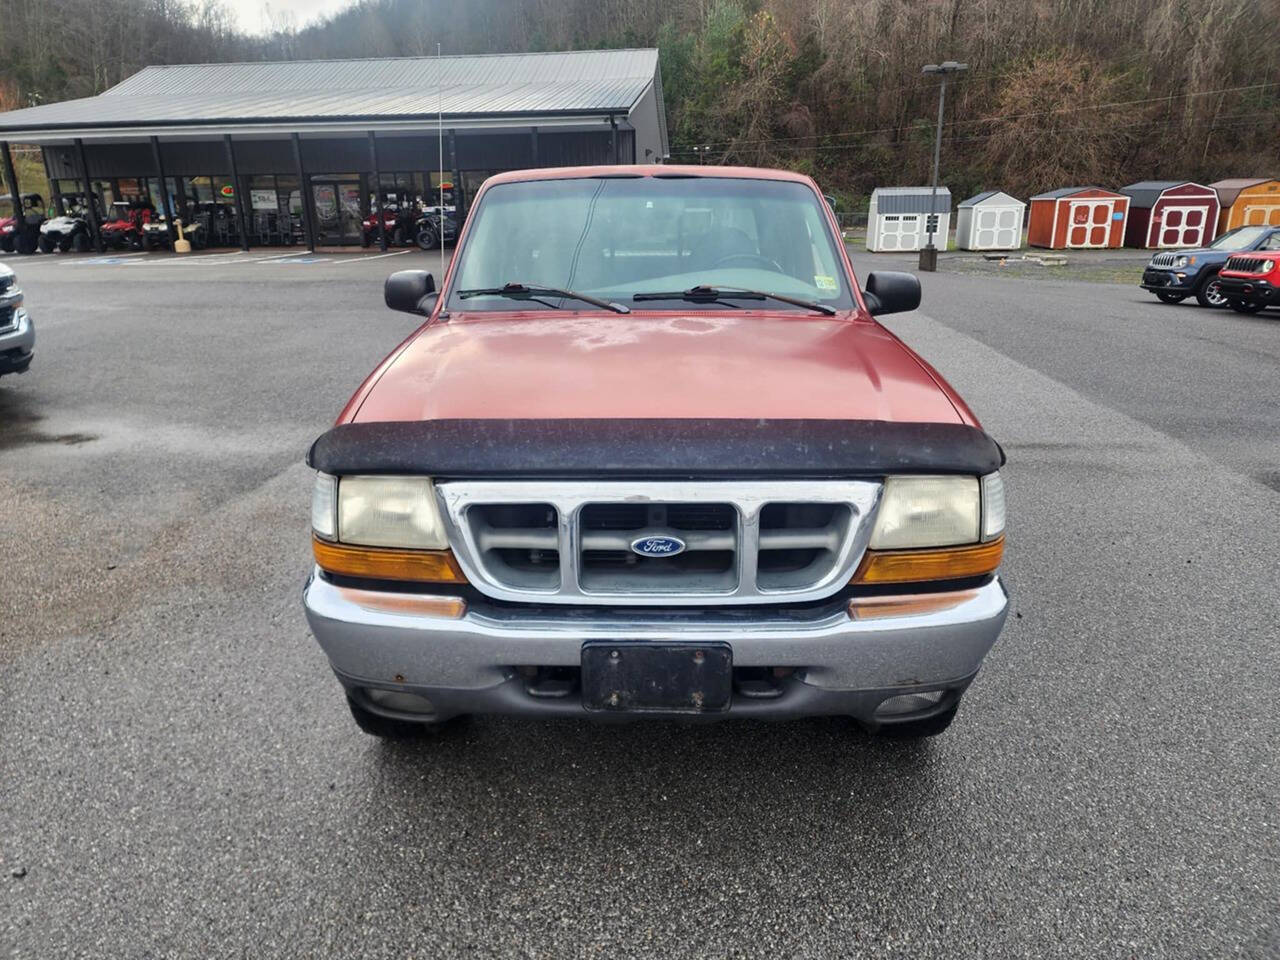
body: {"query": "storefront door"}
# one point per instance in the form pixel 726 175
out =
pixel 337 204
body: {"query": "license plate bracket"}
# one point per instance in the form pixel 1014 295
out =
pixel 638 676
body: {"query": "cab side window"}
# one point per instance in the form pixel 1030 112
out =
pixel 1271 243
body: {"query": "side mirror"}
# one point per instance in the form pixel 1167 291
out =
pixel 888 291
pixel 410 291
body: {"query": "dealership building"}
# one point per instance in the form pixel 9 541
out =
pixel 291 152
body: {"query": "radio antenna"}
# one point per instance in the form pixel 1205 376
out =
pixel 440 142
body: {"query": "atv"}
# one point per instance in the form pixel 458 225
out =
pixel 429 228
pixel 13 227
pixel 155 233
pixel 71 231
pixel 126 230
pixel 400 217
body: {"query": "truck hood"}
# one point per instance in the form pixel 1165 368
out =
pixel 739 364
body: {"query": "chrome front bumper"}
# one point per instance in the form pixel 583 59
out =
pixel 468 664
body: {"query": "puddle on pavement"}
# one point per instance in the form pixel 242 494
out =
pixel 19 427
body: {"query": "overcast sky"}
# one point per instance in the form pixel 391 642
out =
pixel 253 18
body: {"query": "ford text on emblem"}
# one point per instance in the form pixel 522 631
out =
pixel 657 546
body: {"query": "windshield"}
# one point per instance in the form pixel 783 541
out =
pixel 1239 238
pixel 615 237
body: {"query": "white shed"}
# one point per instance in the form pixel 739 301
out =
pixel 990 221
pixel 898 218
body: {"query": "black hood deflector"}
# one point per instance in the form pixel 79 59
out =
pixel 643 448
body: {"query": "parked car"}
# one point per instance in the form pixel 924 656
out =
pixel 651 453
pixel 31 207
pixel 17 331
pixel 70 231
pixel 1251 281
pixel 1174 276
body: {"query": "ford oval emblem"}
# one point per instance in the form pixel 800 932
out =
pixel 657 546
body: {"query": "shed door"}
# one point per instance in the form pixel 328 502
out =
pixel 901 231
pixel 1181 227
pixel 1262 214
pixel 1089 223
pixel 996 228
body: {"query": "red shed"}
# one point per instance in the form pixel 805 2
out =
pixel 1076 218
pixel 1170 213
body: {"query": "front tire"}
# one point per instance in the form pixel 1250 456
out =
pixel 428 239
pixel 46 245
pixel 919 729
pixel 6 244
pixel 1244 306
pixel 387 728
pixel 1209 292
pixel 80 243
pixel 1170 297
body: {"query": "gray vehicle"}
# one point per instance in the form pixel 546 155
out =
pixel 17 331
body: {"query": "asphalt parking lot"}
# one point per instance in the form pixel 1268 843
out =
pixel 181 777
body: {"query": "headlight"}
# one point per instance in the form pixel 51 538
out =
pixel 935 529
pixel 390 512
pixel 1181 261
pixel 381 528
pixel 927 512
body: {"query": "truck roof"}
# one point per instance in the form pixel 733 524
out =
pixel 649 170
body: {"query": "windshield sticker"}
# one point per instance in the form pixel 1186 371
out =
pixel 825 283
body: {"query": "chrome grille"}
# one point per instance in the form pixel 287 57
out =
pixel 745 542
pixel 1163 260
pixel 1247 264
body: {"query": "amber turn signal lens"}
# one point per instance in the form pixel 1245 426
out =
pixel 907 605
pixel 914 566
pixel 408 604
pixel 381 563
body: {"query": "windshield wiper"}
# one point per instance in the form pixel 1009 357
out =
pixel 520 291
pixel 707 294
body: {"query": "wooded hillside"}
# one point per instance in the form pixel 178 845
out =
pixel 1059 91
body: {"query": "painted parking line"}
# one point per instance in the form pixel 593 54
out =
pixel 293 259
pixel 181 258
pixel 103 260
pixel 375 256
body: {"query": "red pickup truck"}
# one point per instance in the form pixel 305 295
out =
pixel 650 453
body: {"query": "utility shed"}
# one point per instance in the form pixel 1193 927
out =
pixel 1248 201
pixel 990 221
pixel 898 218
pixel 1077 218
pixel 1170 213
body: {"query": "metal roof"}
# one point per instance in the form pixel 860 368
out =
pixel 910 200
pixel 977 198
pixel 1229 189
pixel 594 82
pixel 1145 193
pixel 1067 192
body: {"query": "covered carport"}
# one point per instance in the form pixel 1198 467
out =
pixel 295 152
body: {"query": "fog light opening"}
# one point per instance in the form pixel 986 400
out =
pixel 907 703
pixel 399 700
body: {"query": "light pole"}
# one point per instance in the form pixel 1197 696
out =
pixel 929 255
